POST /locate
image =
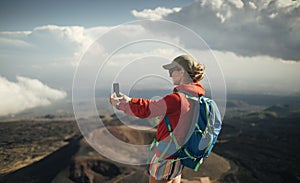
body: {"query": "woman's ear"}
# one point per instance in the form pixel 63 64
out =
pixel 186 77
pixel 182 72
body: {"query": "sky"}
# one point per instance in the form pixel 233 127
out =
pixel 46 47
pixel 16 15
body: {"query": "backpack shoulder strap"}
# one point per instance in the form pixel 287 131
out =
pixel 168 124
pixel 190 96
pixel 171 141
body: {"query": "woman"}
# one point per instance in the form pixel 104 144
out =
pixel 186 74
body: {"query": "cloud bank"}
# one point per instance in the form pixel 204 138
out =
pixel 156 14
pixel 45 50
pixel 59 49
pixel 24 94
pixel 68 42
pixel 247 28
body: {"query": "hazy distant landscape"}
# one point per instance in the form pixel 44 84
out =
pixel 258 143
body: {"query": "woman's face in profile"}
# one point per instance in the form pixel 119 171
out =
pixel 177 76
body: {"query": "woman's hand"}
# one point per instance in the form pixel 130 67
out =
pixel 115 101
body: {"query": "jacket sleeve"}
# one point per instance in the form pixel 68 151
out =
pixel 145 108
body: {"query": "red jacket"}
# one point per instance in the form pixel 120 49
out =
pixel 175 106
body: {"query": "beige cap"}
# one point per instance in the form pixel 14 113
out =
pixel 187 62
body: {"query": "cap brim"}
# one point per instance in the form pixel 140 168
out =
pixel 169 66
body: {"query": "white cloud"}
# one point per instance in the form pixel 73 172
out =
pixel 156 14
pixel 259 27
pixel 273 15
pixel 63 46
pixel 218 4
pixel 252 5
pixel 24 94
pixel 69 42
pixel 13 43
pixel 222 9
pixel 237 3
pixel 46 50
pixel 14 40
pixel 259 74
pixel 60 41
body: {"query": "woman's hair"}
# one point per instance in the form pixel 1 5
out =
pixel 198 72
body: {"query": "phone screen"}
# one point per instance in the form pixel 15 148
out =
pixel 116 88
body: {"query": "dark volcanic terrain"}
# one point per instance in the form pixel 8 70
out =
pixel 26 141
pixel 54 151
pixel 257 144
pixel 263 145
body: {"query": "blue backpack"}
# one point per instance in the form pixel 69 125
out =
pixel 202 138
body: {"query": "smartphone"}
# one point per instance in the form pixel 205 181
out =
pixel 116 88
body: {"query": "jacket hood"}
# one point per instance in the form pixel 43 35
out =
pixel 195 89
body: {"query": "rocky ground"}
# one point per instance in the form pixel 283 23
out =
pixel 263 145
pixel 26 141
pixel 255 146
pixel 53 151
